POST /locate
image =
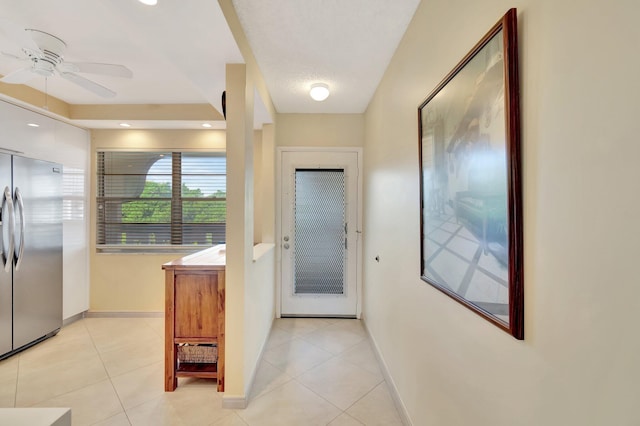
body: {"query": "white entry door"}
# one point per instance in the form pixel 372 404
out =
pixel 319 233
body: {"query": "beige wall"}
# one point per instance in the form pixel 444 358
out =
pixel 242 355
pixel 257 193
pixel 320 130
pixel 250 281
pixel 259 309
pixel 266 184
pixel 239 226
pixel 578 364
pixel 135 282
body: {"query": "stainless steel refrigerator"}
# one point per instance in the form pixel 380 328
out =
pixel 31 243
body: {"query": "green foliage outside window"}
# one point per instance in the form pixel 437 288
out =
pixel 154 205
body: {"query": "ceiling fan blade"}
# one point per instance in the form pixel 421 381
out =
pixel 18 35
pixel 12 56
pixel 88 84
pixel 97 68
pixel 20 76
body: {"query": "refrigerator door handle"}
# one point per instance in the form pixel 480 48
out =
pixel 7 256
pixel 20 205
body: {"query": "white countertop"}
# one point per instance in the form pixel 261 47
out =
pixel 35 416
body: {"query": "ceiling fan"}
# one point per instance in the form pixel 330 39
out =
pixel 44 54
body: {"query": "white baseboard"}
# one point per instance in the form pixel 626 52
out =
pixel 393 390
pixel 73 318
pixel 123 314
pixel 234 402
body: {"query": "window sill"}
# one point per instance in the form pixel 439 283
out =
pixel 149 249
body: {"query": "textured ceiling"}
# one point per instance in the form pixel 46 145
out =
pixel 177 50
pixel 346 44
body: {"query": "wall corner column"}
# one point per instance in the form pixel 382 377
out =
pixel 239 256
pixel 268 183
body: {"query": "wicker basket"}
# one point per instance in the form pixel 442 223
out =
pixel 200 354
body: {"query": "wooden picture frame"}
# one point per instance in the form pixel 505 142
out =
pixel 470 183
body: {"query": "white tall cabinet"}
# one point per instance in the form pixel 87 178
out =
pixel 68 145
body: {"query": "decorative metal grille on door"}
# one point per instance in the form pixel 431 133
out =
pixel 319 242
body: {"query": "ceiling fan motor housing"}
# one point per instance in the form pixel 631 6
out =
pixel 50 55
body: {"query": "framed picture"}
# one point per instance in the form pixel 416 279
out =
pixel 470 185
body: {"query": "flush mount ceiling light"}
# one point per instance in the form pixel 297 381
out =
pixel 125 125
pixel 207 125
pixel 319 92
pixel 149 2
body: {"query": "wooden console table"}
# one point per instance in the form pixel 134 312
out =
pixel 194 313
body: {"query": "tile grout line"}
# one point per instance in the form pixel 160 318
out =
pixel 74 390
pixel 338 358
pixel 354 403
pixel 318 395
pixel 107 373
pixel 333 357
pixel 46 399
pixel 295 378
pixel 124 410
pixel 15 392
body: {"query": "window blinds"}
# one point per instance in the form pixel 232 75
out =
pixel 160 198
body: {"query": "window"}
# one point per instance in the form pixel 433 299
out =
pixel 155 200
pixel 73 194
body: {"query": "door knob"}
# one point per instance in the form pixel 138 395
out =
pixel 286 238
pixel 286 246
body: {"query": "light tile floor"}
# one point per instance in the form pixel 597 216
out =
pixel 110 372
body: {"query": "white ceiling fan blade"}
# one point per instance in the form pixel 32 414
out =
pixel 18 35
pixel 88 84
pixel 97 68
pixel 20 76
pixel 12 56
